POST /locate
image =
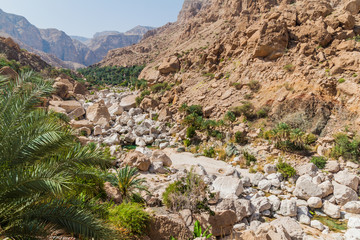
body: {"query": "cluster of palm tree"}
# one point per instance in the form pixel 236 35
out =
pixel 48 180
pixel 287 138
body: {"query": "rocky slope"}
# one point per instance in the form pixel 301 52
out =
pixel 295 50
pixel 59 49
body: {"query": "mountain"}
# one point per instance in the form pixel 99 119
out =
pixel 139 30
pixel 286 56
pixel 61 50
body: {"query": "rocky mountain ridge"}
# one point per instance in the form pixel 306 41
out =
pixel 59 49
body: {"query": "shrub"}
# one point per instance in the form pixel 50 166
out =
pixel 286 169
pixel 159 87
pixel 210 152
pixel 130 216
pixel 240 137
pixel 341 80
pixel 183 108
pixel 190 132
pixel 263 112
pixel 187 142
pixel 320 162
pixel 195 109
pixel 310 139
pixel 346 148
pixel 288 139
pixel 254 85
pixel 237 85
pixel 289 67
pixel 249 158
pixel 230 116
pixel 246 110
pixel 190 192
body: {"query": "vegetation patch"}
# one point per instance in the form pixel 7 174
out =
pixel 346 147
pixel 319 162
pixel 285 169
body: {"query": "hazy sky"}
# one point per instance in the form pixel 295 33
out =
pixel 85 17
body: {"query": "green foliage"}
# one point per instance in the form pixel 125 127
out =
pixel 254 85
pixel 240 138
pixel 160 87
pixel 320 162
pixel 230 116
pixel 210 152
pixel 48 180
pixel 346 147
pixel 142 96
pixel 130 216
pixel 190 192
pixel 195 109
pixel 310 139
pixel 263 112
pixel 124 76
pixel 333 224
pixel 341 80
pixel 249 158
pixel 237 85
pixel 12 64
pixel 246 109
pixel 198 233
pixel 155 117
pixel 285 169
pixel 187 142
pixel 190 132
pixel 128 181
pixel 289 67
pixel 288 139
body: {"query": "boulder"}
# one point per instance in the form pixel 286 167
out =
pixel 270 168
pixel 97 131
pixel 221 222
pixel 331 210
pixel 314 202
pixel 354 222
pixel 264 185
pixel 292 227
pixel 309 169
pixel 261 204
pixel 352 207
pixel 353 6
pixel 128 102
pixel 257 178
pixel 160 156
pixel 228 186
pixel 347 179
pixel 81 123
pixel 163 227
pixel 148 104
pixel 288 208
pixel 80 88
pixel 344 194
pixel 69 106
pixel 115 110
pixel 305 188
pixel 332 166
pixel 317 224
pixel 112 140
pixel 275 202
pixel 76 113
pixel 303 215
pixel 347 21
pixel 112 193
pixel 352 234
pixel 169 65
pixel 234 205
pixel 138 160
pixel 97 111
pixel 327 188
pixel 61 89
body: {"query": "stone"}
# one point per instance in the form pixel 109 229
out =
pixel 81 123
pixel 112 140
pixel 264 185
pixel 352 234
pixel 234 205
pixel 331 210
pixel 291 226
pixel 275 202
pixel 288 208
pixel 84 131
pixel 270 168
pixel 332 166
pixel 115 110
pixel 309 169
pixel 305 188
pixel 140 142
pixel 353 6
pixel 112 193
pixel 344 194
pixel 128 102
pixel 169 65
pixel 249 209
pixel 69 106
pixel 61 89
pixel 314 202
pixel 148 104
pixel 352 207
pixel 347 179
pixel 157 167
pixel 303 215
pixel 239 227
pixel 77 113
pixel 261 204
pixel 160 156
pixel 163 145
pixel 257 178
pixel 228 186
pixel 347 20
pixel 222 222
pixel 80 88
pixel 354 222
pixel 327 188
pixel 138 160
pixel 186 215
pixel 97 111
pixel 97 131
pixel 163 227
pixel 317 224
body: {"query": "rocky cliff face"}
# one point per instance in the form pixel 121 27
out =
pixel 295 51
pixel 61 50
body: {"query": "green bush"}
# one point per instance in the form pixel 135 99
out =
pixel 320 162
pixel 285 169
pixel 191 132
pixel 263 112
pixel 187 142
pixel 249 158
pixel 246 110
pixel 210 152
pixel 195 109
pixel 254 85
pixel 230 116
pixel 159 87
pixel 288 139
pixel 240 137
pixel 341 80
pixel 130 216
pixel 346 147
pixel 310 139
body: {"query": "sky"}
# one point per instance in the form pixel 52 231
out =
pixel 86 17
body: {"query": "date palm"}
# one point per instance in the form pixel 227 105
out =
pixel 42 167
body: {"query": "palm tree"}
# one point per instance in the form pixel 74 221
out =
pixel 129 184
pixel 43 168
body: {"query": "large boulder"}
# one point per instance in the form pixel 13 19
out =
pixel 347 179
pixel 331 210
pixel 128 102
pixel 273 40
pixel 76 113
pixel 81 124
pixel 61 89
pixel 352 207
pixel 353 6
pixel 112 193
pixel 69 106
pixel 228 186
pixel 344 194
pixel 164 227
pixel 292 227
pixel 160 156
pixel 288 208
pixel 233 204
pixel 80 88
pixel 9 72
pixel 221 222
pixel 305 188
pixel 169 65
pixel 97 111
pixel 138 160
pixel 115 109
